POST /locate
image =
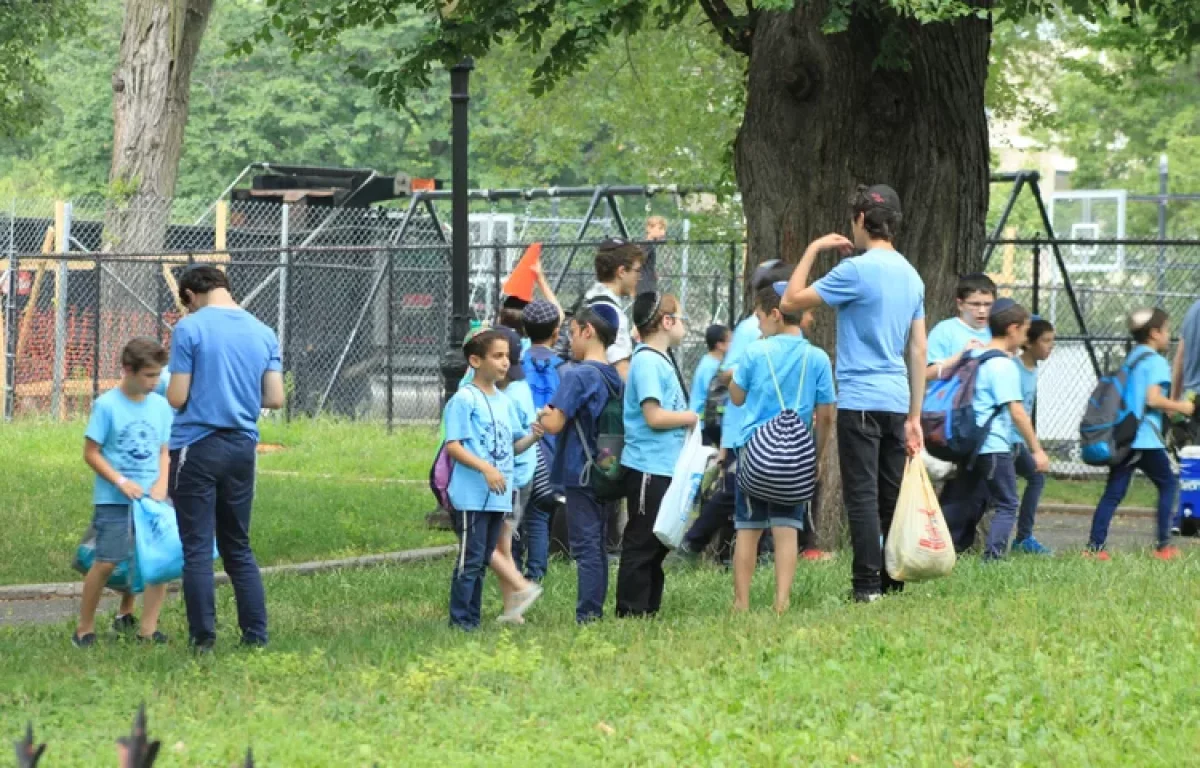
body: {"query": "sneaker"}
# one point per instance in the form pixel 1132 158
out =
pixel 1176 530
pixel 158 638
pixel 1030 546
pixel 522 601
pixel 84 641
pixel 816 555
pixel 507 618
pixel 1167 553
pixel 125 623
pixel 1097 554
pixel 204 648
pixel 867 597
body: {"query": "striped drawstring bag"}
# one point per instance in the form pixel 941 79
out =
pixel 779 462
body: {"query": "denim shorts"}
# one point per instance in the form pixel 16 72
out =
pixel 520 500
pixel 757 515
pixel 114 532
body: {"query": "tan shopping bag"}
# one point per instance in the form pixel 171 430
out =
pixel 919 546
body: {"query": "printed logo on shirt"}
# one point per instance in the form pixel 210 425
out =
pixel 137 443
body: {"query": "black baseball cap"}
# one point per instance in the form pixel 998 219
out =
pixel 882 196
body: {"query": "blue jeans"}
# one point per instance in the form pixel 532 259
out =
pixel 478 533
pixel 1035 482
pixel 531 550
pixel 587 531
pixel 992 479
pixel 1155 465
pixel 212 485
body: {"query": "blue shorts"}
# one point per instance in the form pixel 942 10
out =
pixel 114 532
pixel 758 515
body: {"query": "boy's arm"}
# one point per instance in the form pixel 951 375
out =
pixel 823 418
pixel 178 389
pixel 737 395
pixel 158 491
pixel 491 475
pixel 95 459
pixel 552 420
pixel 660 418
pixel 1024 425
pixel 273 395
pixel 180 385
pixel 525 443
pixel 1156 400
pixel 799 295
pixel 544 286
pixel 916 386
pixel 1177 371
pixel 622 367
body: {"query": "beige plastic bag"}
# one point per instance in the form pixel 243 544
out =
pixel 919 546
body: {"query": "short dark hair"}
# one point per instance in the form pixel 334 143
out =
pixel 201 278
pixel 481 343
pixel 999 322
pixel 142 352
pixel 880 221
pixel 714 335
pixel 511 317
pixel 540 333
pixel 587 316
pixel 1140 331
pixel 614 254
pixel 768 300
pixel 1038 328
pixel 976 282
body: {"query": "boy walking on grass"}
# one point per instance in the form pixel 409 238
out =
pixel 1039 343
pixel 126 446
pixel 572 415
pixel 952 338
pixel 782 370
pixel 480 441
pixel 1149 379
pixel 991 477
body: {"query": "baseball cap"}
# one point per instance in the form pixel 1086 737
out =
pixel 762 273
pixel 540 312
pixel 883 196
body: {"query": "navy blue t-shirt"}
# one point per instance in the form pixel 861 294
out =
pixel 581 396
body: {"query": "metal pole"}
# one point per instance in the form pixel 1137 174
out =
pixel 60 316
pixel 283 281
pixel 362 316
pixel 454 365
pixel 1037 278
pixel 732 285
pixel 391 320
pixel 11 302
pixel 1163 177
pixel 587 220
pixel 1018 182
pixel 97 350
pixel 683 267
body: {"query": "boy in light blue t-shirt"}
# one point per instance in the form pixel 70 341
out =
pixel 717 339
pixel 1039 343
pixel 126 446
pixel 1147 386
pixel 990 477
pixel 782 364
pixel 968 330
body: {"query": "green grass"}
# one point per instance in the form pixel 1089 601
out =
pixel 1057 662
pixel 327 494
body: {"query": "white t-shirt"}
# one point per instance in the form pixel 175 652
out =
pixel 622 348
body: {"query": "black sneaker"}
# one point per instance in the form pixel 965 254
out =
pixel 867 597
pixel 158 638
pixel 252 643
pixel 203 648
pixel 125 624
pixel 86 641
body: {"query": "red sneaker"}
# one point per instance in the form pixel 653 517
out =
pixel 1167 553
pixel 1097 554
pixel 816 555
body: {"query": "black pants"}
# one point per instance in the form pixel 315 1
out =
pixel 716 516
pixel 871 449
pixel 640 576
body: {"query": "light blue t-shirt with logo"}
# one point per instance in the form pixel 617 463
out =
pixel 524 415
pixel 744 334
pixel 226 350
pixel 1152 369
pixel 950 337
pixel 1028 393
pixel 997 384
pixel 484 426
pixel 651 377
pixel 131 436
pixel 706 370
pixel 796 363
pixel 878 295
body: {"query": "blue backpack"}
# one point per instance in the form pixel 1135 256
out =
pixel 542 376
pixel 948 413
pixel 1109 424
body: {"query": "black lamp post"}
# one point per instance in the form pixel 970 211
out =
pixel 454 365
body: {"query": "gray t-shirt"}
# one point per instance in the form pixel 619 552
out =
pixel 1190 331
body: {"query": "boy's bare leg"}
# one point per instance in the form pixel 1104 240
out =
pixel 502 564
pixel 93 585
pixel 787 550
pixel 745 558
pixel 128 604
pixel 152 602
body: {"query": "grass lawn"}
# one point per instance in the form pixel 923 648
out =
pixel 1030 662
pixel 320 497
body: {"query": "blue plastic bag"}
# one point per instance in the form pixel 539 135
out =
pixel 85 556
pixel 158 550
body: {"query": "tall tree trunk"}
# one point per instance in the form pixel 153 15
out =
pixel 151 88
pixel 821 117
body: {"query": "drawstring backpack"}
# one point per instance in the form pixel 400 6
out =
pixel 779 462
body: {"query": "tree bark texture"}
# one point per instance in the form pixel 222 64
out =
pixel 821 117
pixel 151 85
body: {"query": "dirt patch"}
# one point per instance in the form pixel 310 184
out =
pixel 269 447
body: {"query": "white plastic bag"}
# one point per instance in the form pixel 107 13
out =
pixel 919 546
pixel 676 506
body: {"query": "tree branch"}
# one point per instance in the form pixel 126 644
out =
pixel 734 30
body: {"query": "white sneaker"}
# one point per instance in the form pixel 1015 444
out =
pixel 521 602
